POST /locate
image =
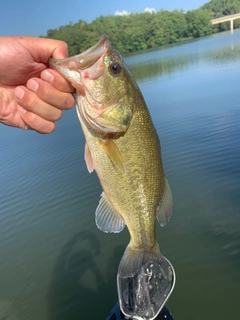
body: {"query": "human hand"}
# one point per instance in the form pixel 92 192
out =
pixel 32 96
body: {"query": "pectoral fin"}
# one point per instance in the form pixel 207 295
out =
pixel 164 209
pixel 88 159
pixel 114 154
pixel 107 219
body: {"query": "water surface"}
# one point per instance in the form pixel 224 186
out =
pixel 56 264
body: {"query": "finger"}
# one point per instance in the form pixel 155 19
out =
pixel 50 95
pixel 57 80
pixel 32 103
pixel 34 122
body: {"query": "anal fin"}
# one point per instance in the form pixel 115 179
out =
pixel 107 219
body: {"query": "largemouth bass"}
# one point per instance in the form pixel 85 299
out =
pixel 123 147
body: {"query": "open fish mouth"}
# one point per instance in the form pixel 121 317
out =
pixel 84 65
pixel 99 115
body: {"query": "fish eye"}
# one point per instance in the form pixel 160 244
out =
pixel 115 68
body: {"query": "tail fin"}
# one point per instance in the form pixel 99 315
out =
pixel 133 260
pixel 145 281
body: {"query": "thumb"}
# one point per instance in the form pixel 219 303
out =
pixel 42 49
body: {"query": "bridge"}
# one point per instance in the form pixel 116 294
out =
pixel 227 18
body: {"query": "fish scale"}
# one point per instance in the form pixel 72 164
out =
pixel 123 147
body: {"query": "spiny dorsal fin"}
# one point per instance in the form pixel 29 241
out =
pixel 114 154
pixel 88 159
pixel 107 219
pixel 165 206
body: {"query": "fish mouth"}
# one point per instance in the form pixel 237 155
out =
pixel 73 69
pixel 78 70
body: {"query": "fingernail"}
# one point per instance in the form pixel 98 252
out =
pixel 47 76
pixel 19 93
pixel 21 109
pixel 32 85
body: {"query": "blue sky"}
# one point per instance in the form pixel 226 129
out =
pixel 34 18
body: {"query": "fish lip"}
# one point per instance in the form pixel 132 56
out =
pixel 83 60
pixel 87 65
pixel 72 68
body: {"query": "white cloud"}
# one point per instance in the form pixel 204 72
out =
pixel 122 13
pixel 151 10
pixel 126 13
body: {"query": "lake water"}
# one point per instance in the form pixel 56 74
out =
pixel 56 264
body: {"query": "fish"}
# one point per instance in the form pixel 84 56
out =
pixel 123 147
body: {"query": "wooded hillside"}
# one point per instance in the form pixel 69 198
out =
pixel 147 30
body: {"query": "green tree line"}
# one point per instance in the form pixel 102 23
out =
pixel 146 30
pixel 220 8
